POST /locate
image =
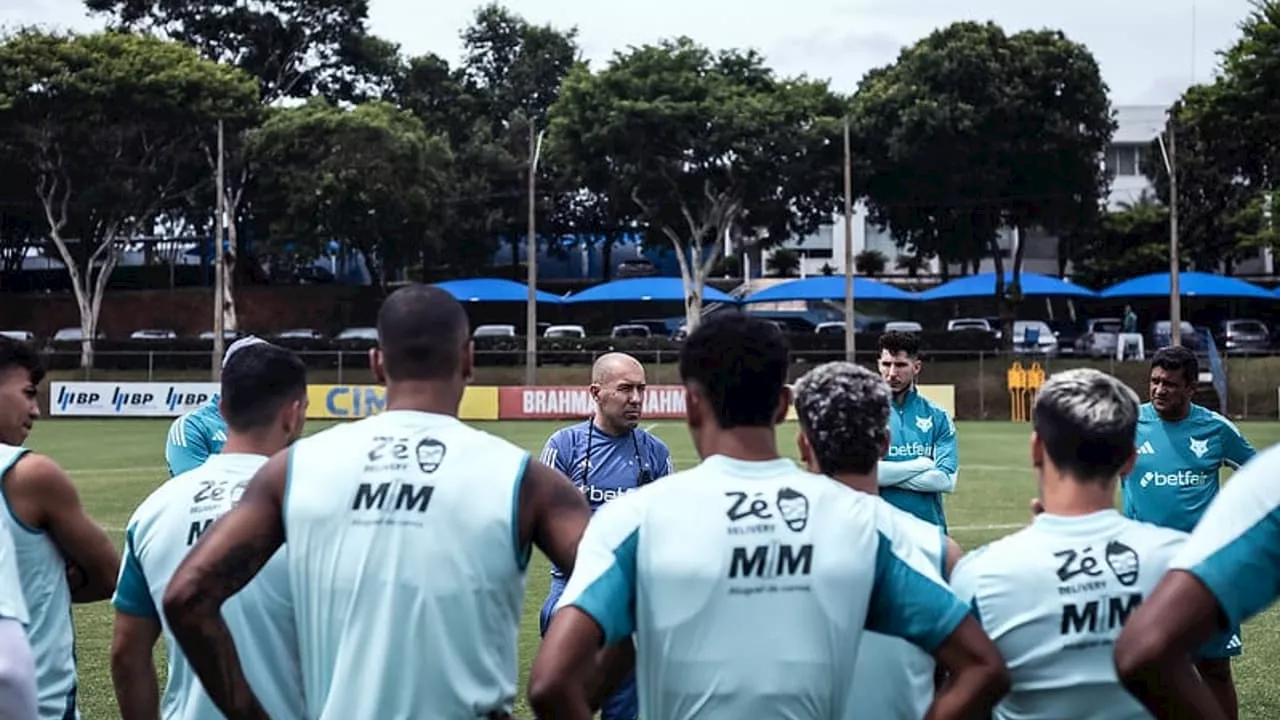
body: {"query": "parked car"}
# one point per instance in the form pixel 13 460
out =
pixel 20 335
pixel 494 331
pixel 1099 337
pixel 630 331
pixel 358 333
pixel 1068 333
pixel 957 324
pixel 153 334
pixel 1243 336
pixel 1034 337
pixel 565 331
pixel 1161 336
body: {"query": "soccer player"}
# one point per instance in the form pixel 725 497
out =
pixel 923 460
pixel 1054 595
pixel 17 666
pixel 1181 448
pixel 264 401
pixel 607 456
pixel 409 538
pixel 63 556
pixel 1227 573
pixel 746 580
pixel 200 433
pixel 843 413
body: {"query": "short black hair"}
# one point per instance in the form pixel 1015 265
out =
pixel 257 382
pixel 1086 420
pixel 895 342
pixel 421 331
pixel 15 353
pixel 843 411
pixel 1178 358
pixel 740 363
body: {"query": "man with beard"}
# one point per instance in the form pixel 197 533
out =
pixel 922 462
pixel 607 456
pixel 1182 447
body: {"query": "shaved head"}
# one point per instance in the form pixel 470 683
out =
pixel 423 333
pixel 617 386
pixel 610 364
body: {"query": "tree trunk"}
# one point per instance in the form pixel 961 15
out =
pixel 229 317
pixel 606 255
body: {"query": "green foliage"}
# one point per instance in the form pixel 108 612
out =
pixel 370 176
pixel 1131 242
pixel 703 143
pixel 971 130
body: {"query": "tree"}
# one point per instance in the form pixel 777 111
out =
pixel 1211 189
pixel 293 48
pixel 972 130
pixel 513 71
pixel 703 143
pixel 1131 242
pixel 871 262
pixel 369 176
pixel 109 126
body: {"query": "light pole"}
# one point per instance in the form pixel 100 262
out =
pixel 219 292
pixel 531 263
pixel 849 343
pixel 1169 154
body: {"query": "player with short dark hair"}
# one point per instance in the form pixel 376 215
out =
pixel 1053 596
pixel 746 580
pixel 409 533
pixel 263 398
pixel 923 458
pixel 20 373
pixel 1182 447
pixel 199 434
pixel 843 412
pixel 64 557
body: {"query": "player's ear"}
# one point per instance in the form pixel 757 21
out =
pixel 375 365
pixel 784 404
pixel 806 450
pixel 1037 450
pixel 469 360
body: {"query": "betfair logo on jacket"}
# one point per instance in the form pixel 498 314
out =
pixel 911 450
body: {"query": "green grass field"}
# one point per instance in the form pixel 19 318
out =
pixel 116 463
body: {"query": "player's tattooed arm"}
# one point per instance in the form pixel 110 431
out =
pixel 553 514
pixel 225 559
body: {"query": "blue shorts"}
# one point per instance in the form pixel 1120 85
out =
pixel 623 705
pixel 1224 645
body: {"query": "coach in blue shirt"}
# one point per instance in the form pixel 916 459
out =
pixel 606 457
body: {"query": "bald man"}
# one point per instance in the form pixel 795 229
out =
pixel 608 456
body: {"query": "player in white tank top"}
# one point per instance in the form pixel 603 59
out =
pixel 50 532
pixel 843 412
pixel 409 534
pixel 1054 595
pixel 264 401
pixel 747 581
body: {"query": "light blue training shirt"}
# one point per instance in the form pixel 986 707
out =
pixel 158 538
pixel 923 458
pixel 194 437
pixel 42 573
pixel 748 586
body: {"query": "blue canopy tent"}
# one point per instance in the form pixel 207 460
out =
pixel 659 289
pixel 493 290
pixel 1190 284
pixel 984 285
pixel 829 287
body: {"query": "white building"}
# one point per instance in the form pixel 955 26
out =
pixel 1136 127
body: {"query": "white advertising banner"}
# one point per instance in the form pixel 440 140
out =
pixel 128 399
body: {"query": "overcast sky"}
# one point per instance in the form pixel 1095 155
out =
pixel 1149 50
